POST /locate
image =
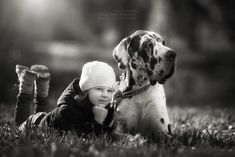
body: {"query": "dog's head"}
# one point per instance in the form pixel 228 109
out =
pixel 146 55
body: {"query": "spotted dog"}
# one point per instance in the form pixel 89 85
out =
pixel 141 104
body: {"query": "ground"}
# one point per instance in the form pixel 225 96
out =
pixel 203 131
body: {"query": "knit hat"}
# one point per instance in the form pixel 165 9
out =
pixel 97 73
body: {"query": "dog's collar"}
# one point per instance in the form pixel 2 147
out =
pixel 119 95
pixel 131 93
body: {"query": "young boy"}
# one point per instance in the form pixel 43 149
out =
pixel 82 107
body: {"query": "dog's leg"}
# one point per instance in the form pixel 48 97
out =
pixel 154 117
pixel 161 117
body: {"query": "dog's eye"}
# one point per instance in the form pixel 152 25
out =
pixel 163 43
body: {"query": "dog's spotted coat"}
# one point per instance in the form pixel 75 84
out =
pixel 145 59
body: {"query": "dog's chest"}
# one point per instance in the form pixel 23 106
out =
pixel 153 95
pixel 144 110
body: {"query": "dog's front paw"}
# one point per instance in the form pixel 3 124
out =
pixel 137 139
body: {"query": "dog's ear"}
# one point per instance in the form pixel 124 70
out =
pixel 163 80
pixel 120 53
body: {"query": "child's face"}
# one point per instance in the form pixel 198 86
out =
pixel 100 95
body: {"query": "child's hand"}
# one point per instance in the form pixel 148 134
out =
pixel 100 114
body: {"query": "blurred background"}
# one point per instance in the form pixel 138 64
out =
pixel 65 34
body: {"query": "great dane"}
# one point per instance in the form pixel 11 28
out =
pixel 140 101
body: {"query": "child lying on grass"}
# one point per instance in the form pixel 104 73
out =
pixel 82 107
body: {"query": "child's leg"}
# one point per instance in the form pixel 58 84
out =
pixel 41 88
pixel 26 79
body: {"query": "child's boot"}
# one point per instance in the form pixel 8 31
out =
pixel 41 87
pixel 20 69
pixel 26 79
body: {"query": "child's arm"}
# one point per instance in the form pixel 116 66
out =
pixel 69 94
pixel 66 118
pixel 100 114
pixel 74 119
pixel 104 116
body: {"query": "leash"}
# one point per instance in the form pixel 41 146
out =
pixel 119 95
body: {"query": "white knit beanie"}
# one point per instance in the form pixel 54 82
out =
pixel 97 73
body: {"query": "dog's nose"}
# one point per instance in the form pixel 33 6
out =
pixel 170 55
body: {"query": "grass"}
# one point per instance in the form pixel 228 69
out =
pixel 196 132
